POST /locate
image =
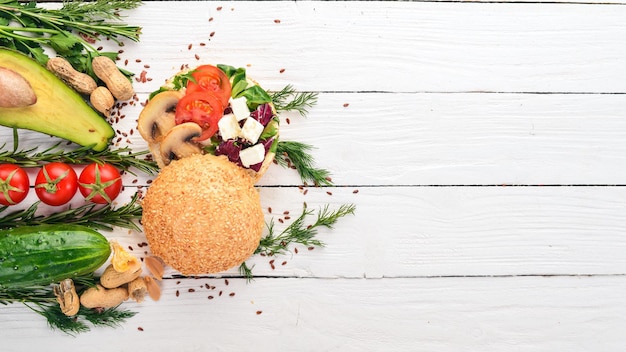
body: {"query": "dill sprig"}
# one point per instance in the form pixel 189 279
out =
pixel 122 158
pixel 99 217
pixel 41 300
pixel 298 232
pixel 288 99
pixel 291 153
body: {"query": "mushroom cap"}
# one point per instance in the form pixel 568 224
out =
pixel 179 143
pixel 202 215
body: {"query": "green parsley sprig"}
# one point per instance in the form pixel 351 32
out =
pixel 69 31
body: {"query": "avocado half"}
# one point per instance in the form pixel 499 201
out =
pixel 59 110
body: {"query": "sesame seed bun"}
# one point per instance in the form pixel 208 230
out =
pixel 202 215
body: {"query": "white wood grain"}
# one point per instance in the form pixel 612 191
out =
pixel 417 99
pixel 434 314
pixel 393 46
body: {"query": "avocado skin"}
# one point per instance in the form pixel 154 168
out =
pixel 59 110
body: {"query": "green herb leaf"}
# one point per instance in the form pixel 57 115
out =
pixel 297 154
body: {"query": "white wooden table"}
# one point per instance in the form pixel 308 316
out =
pixel 487 143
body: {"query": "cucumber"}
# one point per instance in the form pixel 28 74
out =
pixel 44 254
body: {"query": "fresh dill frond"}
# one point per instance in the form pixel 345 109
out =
pixel 288 99
pixel 246 271
pixel 298 232
pixel 111 317
pixel 57 320
pixel 298 154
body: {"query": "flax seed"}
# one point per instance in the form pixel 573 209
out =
pixel 276 21
pixel 130 248
pixel 137 60
pixel 226 282
pixel 232 294
pixel 258 312
pixel 345 105
pixel 211 34
pixel 177 293
pixel 191 290
pixel 283 263
pixel 189 46
pixel 269 210
pixel 210 297
pixel 329 193
pixel 197 57
pixel 282 70
pixel 295 250
pixel 288 121
pixel 140 328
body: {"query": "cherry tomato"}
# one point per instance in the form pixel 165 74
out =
pixel 56 183
pixel 100 183
pixel 202 108
pixel 211 79
pixel 14 184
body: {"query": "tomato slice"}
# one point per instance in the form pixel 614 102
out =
pixel 210 78
pixel 202 108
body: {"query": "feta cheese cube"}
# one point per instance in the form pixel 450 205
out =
pixel 229 127
pixel 252 155
pixel 240 108
pixel 252 130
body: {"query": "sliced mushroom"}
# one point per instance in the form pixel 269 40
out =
pixel 157 117
pixel 16 91
pixel 179 142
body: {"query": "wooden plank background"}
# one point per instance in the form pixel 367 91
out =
pixel 482 143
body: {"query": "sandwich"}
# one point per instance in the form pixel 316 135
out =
pixel 212 109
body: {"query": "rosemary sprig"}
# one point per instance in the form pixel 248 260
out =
pixel 297 232
pixel 288 99
pixel 68 31
pixel 297 154
pixel 122 158
pixel 90 214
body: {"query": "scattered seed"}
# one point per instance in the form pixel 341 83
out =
pixel 140 328
pixel 211 34
pixel 197 57
pixel 177 293
pixel 295 250
pixel 137 60
pixel 276 21
pixel 345 105
pixel 287 120
pixel 219 8
pixel 284 263
pixel 329 193
pixel 226 282
pixel 191 290
pixel 282 70
pixel 210 19
pixel 189 46
pixel 232 294
pixel 258 312
pixel 210 297
pixel 130 248
pixel 220 294
pixel 311 248
pixel 269 210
